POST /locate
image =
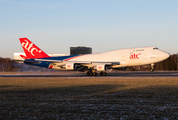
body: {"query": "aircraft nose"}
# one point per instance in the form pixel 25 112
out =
pixel 165 55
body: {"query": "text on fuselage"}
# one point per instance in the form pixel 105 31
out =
pixel 135 56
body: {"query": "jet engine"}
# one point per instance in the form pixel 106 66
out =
pixel 100 67
pixel 69 66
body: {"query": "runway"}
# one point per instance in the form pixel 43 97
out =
pixel 75 74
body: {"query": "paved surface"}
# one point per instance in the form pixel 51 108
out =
pixel 75 74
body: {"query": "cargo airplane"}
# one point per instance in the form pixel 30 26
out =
pixel 93 63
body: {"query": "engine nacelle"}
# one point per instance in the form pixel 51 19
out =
pixel 69 66
pixel 100 67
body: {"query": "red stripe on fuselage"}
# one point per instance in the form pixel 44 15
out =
pixel 50 66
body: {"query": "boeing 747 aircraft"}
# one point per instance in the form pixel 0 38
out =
pixel 93 63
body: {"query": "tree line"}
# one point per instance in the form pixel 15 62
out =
pixel 170 64
pixel 7 65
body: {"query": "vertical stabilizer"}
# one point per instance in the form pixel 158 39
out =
pixel 31 50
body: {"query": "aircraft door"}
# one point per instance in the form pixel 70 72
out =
pixel 134 57
pixel 132 51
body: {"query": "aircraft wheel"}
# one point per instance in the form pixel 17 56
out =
pixel 88 73
pixel 102 73
pixel 91 73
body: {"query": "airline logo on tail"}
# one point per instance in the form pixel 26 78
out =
pixel 31 50
pixel 29 47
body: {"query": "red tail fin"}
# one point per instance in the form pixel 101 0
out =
pixel 31 50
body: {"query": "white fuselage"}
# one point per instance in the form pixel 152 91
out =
pixel 125 57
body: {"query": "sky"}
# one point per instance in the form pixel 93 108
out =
pixel 104 25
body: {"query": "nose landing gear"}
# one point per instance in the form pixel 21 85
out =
pixel 152 67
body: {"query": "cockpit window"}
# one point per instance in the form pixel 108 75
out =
pixel 155 48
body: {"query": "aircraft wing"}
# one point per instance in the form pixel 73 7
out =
pixel 79 62
pixel 53 61
pixel 81 65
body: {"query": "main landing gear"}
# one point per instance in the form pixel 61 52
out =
pixel 89 73
pixel 152 67
pixel 93 73
pixel 102 73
